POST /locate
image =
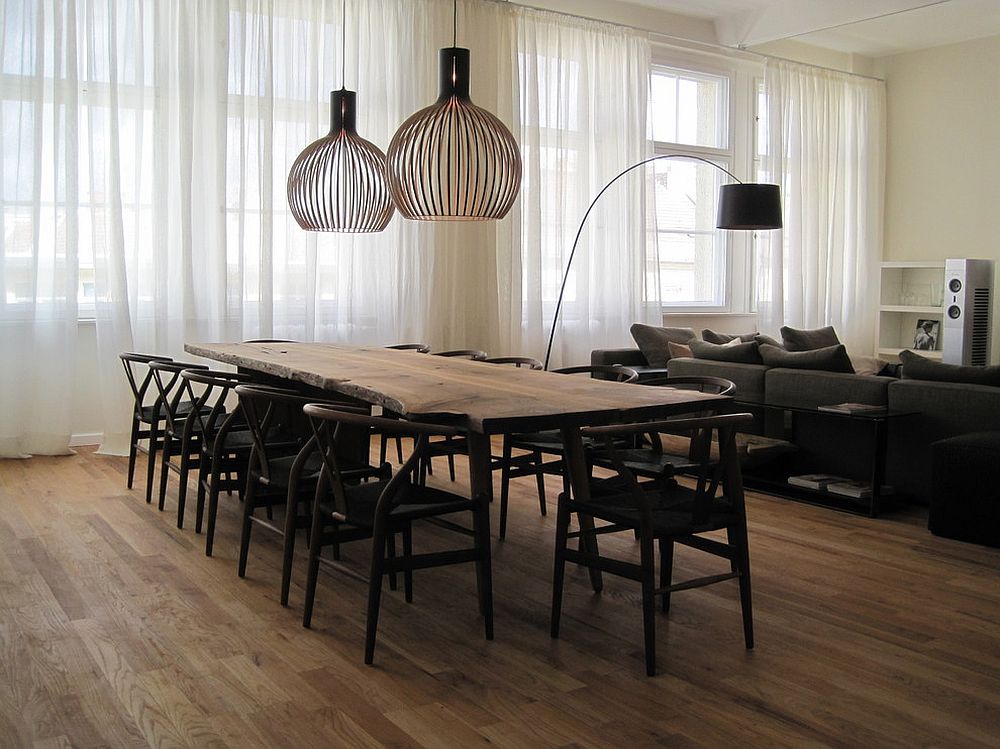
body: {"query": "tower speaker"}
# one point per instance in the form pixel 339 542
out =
pixel 968 311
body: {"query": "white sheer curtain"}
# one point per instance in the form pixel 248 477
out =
pixel 145 150
pixel 582 98
pixel 826 148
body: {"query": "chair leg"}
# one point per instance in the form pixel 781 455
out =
pixel 504 486
pixel 154 438
pixel 213 511
pixel 407 556
pixel 559 568
pixel 540 483
pixel 207 471
pixel 399 450
pixel 484 566
pixel 648 599
pixel 738 539
pixel 132 450
pixel 666 569
pixel 383 443
pixel 247 527
pixel 315 547
pixel 182 483
pixel 451 466
pixel 165 470
pixel 374 593
pixel 288 544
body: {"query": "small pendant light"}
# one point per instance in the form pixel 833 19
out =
pixel 454 161
pixel 338 183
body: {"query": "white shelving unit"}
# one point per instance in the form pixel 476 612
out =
pixel 909 292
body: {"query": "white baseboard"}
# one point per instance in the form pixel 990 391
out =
pixel 86 438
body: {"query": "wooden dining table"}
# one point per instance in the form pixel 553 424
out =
pixel 481 398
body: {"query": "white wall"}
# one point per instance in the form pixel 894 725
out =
pixel 943 155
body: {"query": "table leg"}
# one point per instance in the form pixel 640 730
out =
pixel 878 466
pixel 576 466
pixel 481 480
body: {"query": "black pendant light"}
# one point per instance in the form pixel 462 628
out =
pixel 454 161
pixel 338 183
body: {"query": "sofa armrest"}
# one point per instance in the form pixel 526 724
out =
pixel 629 357
pixel 748 378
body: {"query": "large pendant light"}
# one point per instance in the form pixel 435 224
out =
pixel 338 183
pixel 454 161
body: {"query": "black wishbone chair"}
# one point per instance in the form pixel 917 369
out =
pixel 176 411
pixel 284 466
pixel 145 417
pixel 380 509
pixel 648 458
pixel 536 445
pixel 225 445
pixel 666 512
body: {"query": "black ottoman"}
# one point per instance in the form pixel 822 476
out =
pixel 965 502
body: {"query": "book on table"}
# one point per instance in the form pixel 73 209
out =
pixel 854 408
pixel 818 481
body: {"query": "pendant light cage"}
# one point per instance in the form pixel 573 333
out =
pixel 454 161
pixel 339 182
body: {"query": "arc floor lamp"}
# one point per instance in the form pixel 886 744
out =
pixel 743 206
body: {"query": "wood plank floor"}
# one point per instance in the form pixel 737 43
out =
pixel 116 630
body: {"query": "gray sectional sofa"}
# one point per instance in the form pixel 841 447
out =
pixel 940 410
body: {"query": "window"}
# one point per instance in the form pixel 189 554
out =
pixel 689 115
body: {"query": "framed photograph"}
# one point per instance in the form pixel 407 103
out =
pixel 925 337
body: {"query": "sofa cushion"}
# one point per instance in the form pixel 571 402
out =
pixel 828 359
pixel 917 367
pixel 799 388
pixel 652 341
pixel 734 351
pixel 719 338
pixel 807 340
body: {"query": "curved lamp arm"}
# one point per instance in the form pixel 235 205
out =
pixel 579 231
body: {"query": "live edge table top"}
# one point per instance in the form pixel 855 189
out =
pixel 484 398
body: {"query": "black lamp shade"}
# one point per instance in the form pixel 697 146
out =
pixel 749 206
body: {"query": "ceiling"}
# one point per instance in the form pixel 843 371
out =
pixel 868 27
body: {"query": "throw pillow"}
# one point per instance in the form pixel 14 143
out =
pixel 652 341
pixel 720 338
pixel 679 350
pixel 867 365
pixel 827 359
pixel 807 340
pixel 917 367
pixel 736 352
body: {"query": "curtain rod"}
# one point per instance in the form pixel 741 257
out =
pixel 712 47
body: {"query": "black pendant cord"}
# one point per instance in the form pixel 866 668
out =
pixel 579 231
pixel 343 44
pixel 454 24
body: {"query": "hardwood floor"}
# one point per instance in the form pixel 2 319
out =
pixel 116 630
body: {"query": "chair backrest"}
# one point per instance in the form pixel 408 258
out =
pixel 711 474
pixel 464 354
pixel 208 390
pixel 167 378
pixel 134 363
pixel 701 383
pixel 518 361
pixel 278 427
pixel 420 348
pixel 330 423
pixel 615 372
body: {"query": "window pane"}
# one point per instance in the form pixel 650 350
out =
pixel 689 108
pixel 691 251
